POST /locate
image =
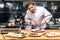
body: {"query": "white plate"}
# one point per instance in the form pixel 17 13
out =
pixel 11 34
pixel 52 34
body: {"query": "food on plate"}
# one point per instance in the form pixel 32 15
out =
pixel 34 34
pixel 53 34
pixel 24 33
pixel 12 34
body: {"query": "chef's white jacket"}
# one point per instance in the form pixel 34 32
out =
pixel 40 14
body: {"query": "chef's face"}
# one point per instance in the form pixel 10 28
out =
pixel 32 8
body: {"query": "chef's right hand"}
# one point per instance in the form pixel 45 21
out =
pixel 32 23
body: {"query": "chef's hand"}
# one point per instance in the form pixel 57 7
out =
pixel 42 22
pixel 32 23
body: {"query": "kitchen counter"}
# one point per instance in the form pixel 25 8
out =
pixel 42 37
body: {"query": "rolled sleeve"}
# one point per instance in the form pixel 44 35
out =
pixel 48 18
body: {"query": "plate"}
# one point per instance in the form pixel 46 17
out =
pixel 15 35
pixel 53 34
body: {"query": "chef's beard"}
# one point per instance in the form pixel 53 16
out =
pixel 33 11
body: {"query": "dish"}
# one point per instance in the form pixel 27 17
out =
pixel 52 34
pixel 35 34
pixel 11 34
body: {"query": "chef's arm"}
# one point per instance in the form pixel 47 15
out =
pixel 27 18
pixel 47 17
